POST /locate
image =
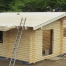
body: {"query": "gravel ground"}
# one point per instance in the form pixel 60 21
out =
pixel 41 63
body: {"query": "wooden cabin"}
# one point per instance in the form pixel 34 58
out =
pixel 44 35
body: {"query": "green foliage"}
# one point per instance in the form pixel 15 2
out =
pixel 34 6
pixel 30 5
pixel 4 5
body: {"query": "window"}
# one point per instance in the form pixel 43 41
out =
pixel 1 36
pixel 64 33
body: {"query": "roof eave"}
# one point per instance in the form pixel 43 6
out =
pixel 48 22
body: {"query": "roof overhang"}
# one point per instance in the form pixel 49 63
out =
pixel 6 28
pixel 34 20
pixel 50 21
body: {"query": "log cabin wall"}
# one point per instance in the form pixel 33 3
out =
pixel 3 46
pixel 31 46
pixel 64 36
pixel 56 35
pixel 56 40
pixel 38 45
pixel 24 50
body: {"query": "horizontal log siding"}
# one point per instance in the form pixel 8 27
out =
pixel 64 37
pixel 32 47
pixel 23 53
pixel 38 45
pixel 56 41
pixel 3 47
pixel 64 45
pixel 56 37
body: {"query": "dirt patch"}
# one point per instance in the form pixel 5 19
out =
pixel 41 63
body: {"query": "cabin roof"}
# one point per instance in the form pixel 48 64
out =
pixel 33 19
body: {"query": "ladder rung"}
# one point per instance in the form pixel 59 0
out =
pixel 13 52
pixel 12 57
pixel 15 48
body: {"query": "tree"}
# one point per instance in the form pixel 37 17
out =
pixel 30 5
pixel 4 5
pixel 40 5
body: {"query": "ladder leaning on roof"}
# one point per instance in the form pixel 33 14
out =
pixel 17 42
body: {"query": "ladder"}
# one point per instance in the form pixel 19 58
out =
pixel 17 42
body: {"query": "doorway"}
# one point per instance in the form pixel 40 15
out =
pixel 47 42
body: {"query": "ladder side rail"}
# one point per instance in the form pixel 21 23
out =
pixel 17 34
pixel 19 41
pixel 18 31
pixel 21 36
pixel 21 33
pixel 16 51
pixel 16 39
